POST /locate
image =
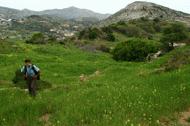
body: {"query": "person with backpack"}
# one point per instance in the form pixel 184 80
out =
pixel 31 75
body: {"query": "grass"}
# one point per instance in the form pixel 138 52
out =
pixel 123 93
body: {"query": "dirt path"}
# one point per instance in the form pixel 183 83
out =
pixel 178 119
pixel 184 118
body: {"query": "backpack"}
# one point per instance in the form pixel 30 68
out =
pixel 36 72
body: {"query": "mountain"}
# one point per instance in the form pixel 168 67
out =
pixel 67 13
pixel 74 13
pixel 8 13
pixel 149 10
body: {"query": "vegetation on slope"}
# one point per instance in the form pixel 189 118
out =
pixel 142 28
pixel 120 93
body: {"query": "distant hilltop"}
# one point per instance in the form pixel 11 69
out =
pixel 67 13
pixel 149 10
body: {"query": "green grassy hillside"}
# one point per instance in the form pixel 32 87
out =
pixel 112 93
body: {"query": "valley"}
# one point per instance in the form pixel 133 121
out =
pixel 126 69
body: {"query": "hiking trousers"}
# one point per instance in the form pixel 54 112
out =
pixel 31 83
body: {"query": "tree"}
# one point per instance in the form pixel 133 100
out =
pixel 175 32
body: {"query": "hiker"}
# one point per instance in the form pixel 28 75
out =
pixel 31 75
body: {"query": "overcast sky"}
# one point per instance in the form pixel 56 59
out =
pixel 101 6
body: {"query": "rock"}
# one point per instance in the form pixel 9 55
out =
pixel 179 45
pixel 83 78
pixel 154 55
pixel 45 118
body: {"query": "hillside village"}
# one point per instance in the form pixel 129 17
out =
pixel 64 30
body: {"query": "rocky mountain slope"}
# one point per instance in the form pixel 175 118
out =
pixel 149 10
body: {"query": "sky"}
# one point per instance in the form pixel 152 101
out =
pixel 101 6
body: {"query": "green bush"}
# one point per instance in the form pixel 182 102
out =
pixel 134 50
pixel 175 32
pixel 37 38
pixel 93 33
pixel 107 30
pixel 157 27
pixel 52 38
pixel 90 33
pixel 177 60
pixel 148 27
pixel 81 34
pixel 156 20
pixel 121 23
pixel 130 30
pixel 110 37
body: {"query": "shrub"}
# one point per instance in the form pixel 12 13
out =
pixel 144 19
pixel 81 34
pixel 175 32
pixel 52 38
pixel 148 27
pixel 107 30
pixel 157 27
pixel 90 33
pixel 37 38
pixel 93 33
pixel 134 50
pixel 177 60
pixel 133 31
pixel 130 30
pixel 110 37
pixel 121 23
pixel 156 20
